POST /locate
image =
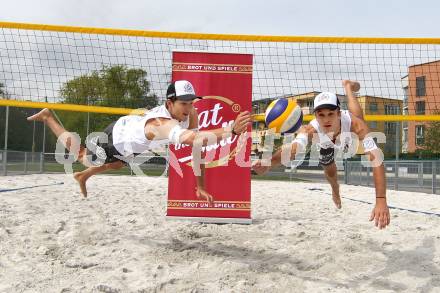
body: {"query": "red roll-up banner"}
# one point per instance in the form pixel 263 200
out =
pixel 224 80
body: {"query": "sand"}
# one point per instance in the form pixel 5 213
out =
pixel 118 240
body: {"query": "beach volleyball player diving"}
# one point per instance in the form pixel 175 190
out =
pixel 176 121
pixel 332 129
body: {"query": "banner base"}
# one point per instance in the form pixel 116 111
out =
pixel 212 220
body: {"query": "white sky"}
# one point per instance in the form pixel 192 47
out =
pixel 381 18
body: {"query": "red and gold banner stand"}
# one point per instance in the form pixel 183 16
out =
pixel 225 82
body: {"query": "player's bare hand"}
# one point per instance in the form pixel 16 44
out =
pixel 352 85
pixel 380 215
pixel 242 122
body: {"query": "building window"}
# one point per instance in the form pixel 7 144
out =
pixel 390 128
pixel 420 86
pixel 309 104
pixel 373 124
pixel 343 105
pixel 392 109
pixel 405 96
pixel 420 107
pixel 420 134
pixel 373 107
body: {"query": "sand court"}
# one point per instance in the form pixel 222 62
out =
pixel 119 240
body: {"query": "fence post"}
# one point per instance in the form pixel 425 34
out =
pixel 345 172
pixel 25 162
pixel 368 176
pixel 290 171
pixel 420 177
pixel 4 172
pixel 434 173
pixel 41 162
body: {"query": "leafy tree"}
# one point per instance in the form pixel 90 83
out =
pixel 432 136
pixel 115 86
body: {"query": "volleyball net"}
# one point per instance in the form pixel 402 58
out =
pixel 113 71
pixel 128 68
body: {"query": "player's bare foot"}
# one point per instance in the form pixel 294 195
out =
pixel 336 197
pixel 82 182
pixel 353 85
pixel 40 116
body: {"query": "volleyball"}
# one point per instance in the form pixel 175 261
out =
pixel 283 115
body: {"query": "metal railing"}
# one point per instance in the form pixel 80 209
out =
pixel 21 163
pixel 17 162
pixel 420 176
pixel 405 175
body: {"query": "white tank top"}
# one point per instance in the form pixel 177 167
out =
pixel 345 139
pixel 129 132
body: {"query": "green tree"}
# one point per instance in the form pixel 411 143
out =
pixel 432 136
pixel 115 86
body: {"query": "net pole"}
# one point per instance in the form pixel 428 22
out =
pixel 5 152
pixel 33 136
pixel 33 140
pixel 88 118
pixel 43 149
pixel 398 124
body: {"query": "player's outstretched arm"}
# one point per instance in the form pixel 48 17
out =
pixel 240 125
pixel 380 213
pixel 299 144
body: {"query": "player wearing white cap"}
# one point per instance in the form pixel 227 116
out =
pixel 333 128
pixel 174 122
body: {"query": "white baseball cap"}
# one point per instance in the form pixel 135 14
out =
pixel 325 100
pixel 181 90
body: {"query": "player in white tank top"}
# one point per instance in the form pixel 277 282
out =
pixel 333 129
pixel 173 122
pixel 129 132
